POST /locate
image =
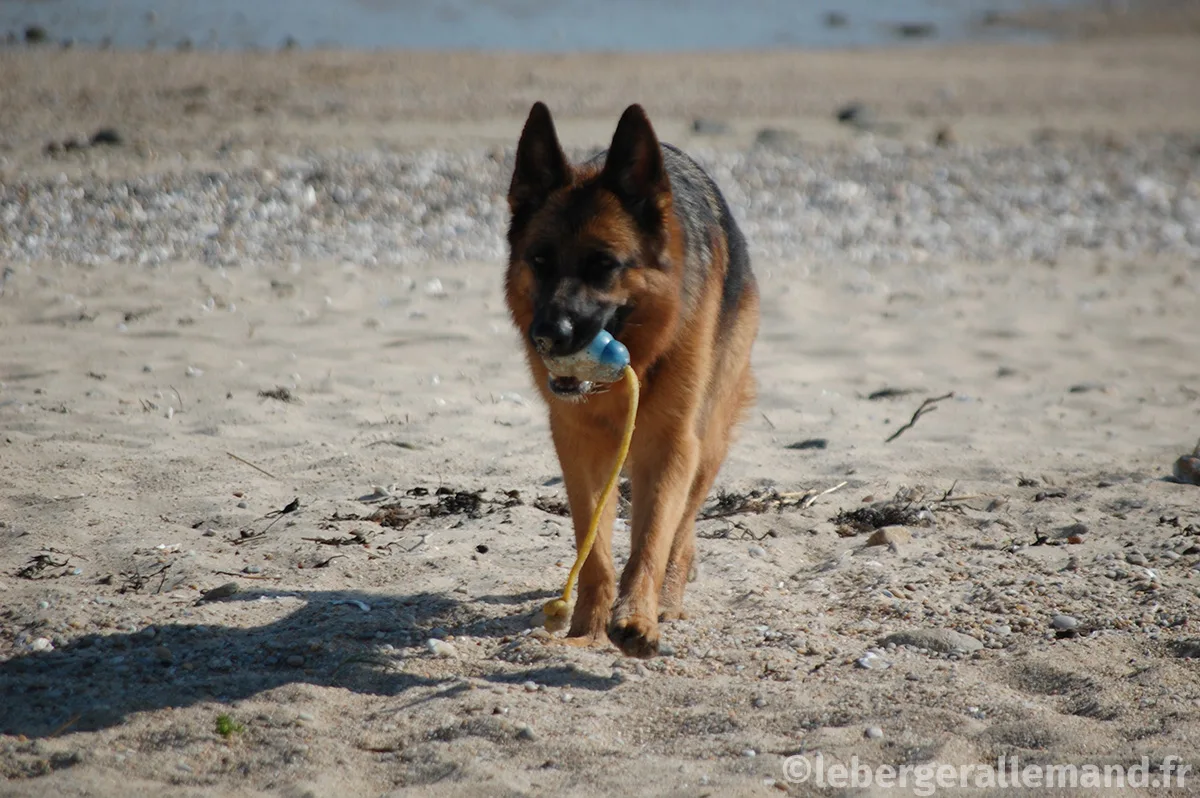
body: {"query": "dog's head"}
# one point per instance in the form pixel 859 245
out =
pixel 588 245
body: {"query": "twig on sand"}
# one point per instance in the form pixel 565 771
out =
pixel 249 576
pixel 928 406
pixel 252 465
pixel 812 496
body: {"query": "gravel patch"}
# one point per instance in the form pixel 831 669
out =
pixel 872 203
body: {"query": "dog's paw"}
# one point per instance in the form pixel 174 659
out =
pixel 635 635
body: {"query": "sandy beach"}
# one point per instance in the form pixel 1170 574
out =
pixel 259 339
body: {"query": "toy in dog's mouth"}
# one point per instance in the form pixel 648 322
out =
pixel 602 362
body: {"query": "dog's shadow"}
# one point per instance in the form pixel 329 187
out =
pixel 96 681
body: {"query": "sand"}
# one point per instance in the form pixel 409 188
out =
pixel 136 446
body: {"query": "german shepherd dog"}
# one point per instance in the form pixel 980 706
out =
pixel 638 241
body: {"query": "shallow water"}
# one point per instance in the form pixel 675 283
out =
pixel 526 25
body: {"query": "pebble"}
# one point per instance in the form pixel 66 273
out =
pixel 757 551
pixel 871 661
pixel 440 648
pixel 295 661
pixel 890 536
pixel 42 644
pixel 306 717
pixel 220 592
pixel 882 202
pixel 530 687
pixel 1064 623
pixel 710 127
pixel 944 641
pixel 749 753
pixel 525 733
pixel 1187 469
pixel 1136 558
pixel 873 733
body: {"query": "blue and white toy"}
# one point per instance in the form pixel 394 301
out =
pixel 602 362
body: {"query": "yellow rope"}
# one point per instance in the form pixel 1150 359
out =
pixel 559 609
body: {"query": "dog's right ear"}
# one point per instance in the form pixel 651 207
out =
pixel 541 167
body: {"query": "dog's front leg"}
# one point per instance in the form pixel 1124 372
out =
pixel 587 456
pixel 663 468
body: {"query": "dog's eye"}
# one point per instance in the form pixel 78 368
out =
pixel 600 267
pixel 540 260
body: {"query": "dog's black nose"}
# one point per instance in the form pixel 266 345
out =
pixel 552 335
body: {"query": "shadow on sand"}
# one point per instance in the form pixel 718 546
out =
pixel 96 681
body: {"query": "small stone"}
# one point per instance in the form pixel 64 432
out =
pixel 709 127
pixel 1064 623
pixel 530 687
pixel 778 138
pixel 252 569
pixel 892 536
pixel 164 655
pixel 757 551
pixel 242 505
pixel 295 661
pixel 1136 558
pixel 873 733
pixel 42 644
pixel 306 717
pixel 220 592
pixel 440 648
pixel 525 733
pixel 43 605
pixel 107 136
pixel 855 114
pixel 943 641
pixel 1187 469
pixel 759 702
pixel 749 753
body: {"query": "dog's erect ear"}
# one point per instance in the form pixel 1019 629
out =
pixel 540 166
pixel 634 168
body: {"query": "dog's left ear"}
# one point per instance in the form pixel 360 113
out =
pixel 634 169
